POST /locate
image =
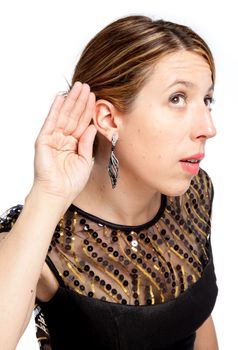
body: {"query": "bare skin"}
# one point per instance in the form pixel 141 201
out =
pixel 177 124
pixel 63 161
pixel 165 125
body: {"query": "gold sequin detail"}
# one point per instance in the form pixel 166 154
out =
pixel 151 265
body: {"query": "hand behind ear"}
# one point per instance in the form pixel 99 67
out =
pixel 63 148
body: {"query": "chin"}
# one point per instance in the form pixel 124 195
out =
pixel 178 189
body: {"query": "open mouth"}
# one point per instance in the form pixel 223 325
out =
pixel 190 164
pixel 192 161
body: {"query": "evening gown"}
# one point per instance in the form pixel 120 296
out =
pixel 145 287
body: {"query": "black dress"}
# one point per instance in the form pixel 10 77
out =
pixel 130 287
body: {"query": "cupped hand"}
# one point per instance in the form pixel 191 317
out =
pixel 63 149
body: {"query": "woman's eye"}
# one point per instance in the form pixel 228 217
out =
pixel 178 99
pixel 209 101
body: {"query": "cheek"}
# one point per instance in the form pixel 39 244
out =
pixel 150 136
pixel 158 144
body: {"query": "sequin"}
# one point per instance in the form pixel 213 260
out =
pixel 190 278
pixel 134 243
pixel 101 262
pixel 121 277
pixel 108 286
pixel 110 268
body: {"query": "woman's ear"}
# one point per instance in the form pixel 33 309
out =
pixel 106 119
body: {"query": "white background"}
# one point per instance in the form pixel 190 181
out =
pixel 40 44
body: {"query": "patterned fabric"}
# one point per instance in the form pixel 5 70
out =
pixel 139 265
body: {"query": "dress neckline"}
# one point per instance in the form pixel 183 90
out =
pixel 121 227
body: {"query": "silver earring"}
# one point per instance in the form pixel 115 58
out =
pixel 113 165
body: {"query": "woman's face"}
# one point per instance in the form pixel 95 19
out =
pixel 171 120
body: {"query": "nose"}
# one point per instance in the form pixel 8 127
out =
pixel 204 127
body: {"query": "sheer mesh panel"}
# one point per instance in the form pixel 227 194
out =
pixel 141 265
pixel 136 266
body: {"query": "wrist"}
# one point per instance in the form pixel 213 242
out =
pixel 40 198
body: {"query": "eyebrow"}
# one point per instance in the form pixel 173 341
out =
pixel 188 84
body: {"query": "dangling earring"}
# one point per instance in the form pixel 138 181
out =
pixel 113 165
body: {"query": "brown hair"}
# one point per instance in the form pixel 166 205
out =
pixel 117 62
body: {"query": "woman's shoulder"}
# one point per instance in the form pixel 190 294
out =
pixel 199 196
pixel 201 187
pixel 196 202
pixel 9 217
pixel 204 182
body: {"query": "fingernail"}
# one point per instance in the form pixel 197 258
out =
pixel 62 93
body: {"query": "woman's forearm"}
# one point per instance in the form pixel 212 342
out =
pixel 22 255
pixel 206 338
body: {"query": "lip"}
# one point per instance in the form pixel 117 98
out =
pixel 192 168
pixel 197 156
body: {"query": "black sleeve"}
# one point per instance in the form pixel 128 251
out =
pixel 9 217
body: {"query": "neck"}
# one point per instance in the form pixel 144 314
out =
pixel 129 203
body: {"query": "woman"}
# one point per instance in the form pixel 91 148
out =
pixel 116 228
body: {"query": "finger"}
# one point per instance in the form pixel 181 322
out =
pixel 78 109
pixel 73 96
pixel 85 146
pixel 86 116
pixel 50 121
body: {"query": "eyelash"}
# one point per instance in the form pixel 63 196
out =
pixel 208 100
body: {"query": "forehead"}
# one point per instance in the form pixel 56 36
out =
pixel 182 65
